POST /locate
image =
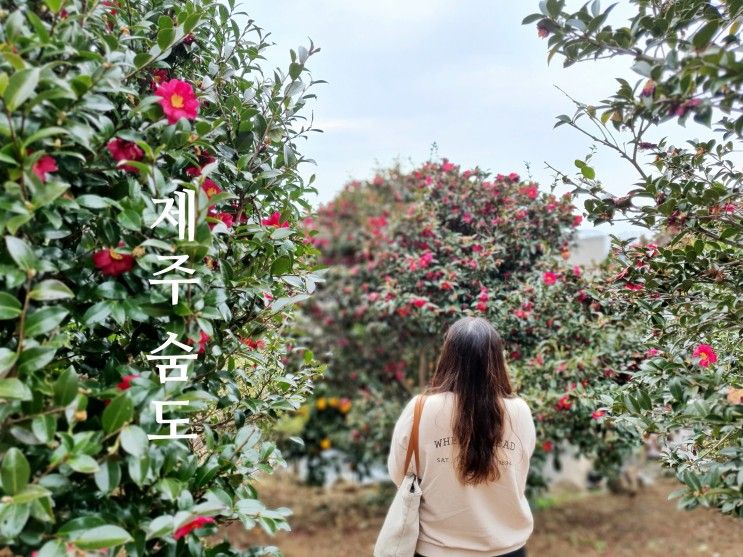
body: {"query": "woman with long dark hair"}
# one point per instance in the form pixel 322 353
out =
pixel 475 441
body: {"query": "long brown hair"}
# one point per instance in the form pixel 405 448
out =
pixel 472 366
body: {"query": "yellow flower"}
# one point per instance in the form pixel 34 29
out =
pixel 321 404
pixel 333 402
pixel 345 406
pixel 303 410
pixel 325 444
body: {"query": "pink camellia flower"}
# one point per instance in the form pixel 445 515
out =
pixel 576 270
pixel 577 220
pixel 203 340
pixel 378 180
pixel 564 403
pixel 648 89
pixel 652 352
pixel 482 306
pixel 126 381
pixel 513 177
pixel 425 259
pixel 634 286
pixel 521 214
pixel 195 524
pixel 178 100
pixel 122 150
pixel 542 31
pixel 112 263
pixel 598 414
pixel 446 166
pixel 549 278
pixel 45 165
pixel 547 446
pixel 531 191
pixel 275 220
pixel 446 285
pixel 706 355
pixel 521 314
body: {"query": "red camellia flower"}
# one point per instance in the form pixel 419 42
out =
pixel 211 188
pixel 126 382
pixel 203 340
pixel 254 344
pixel 275 220
pixel 577 219
pixel 598 414
pixel 547 446
pixel 112 263
pixel 227 218
pixel 542 31
pixel 706 355
pixel 195 524
pixel 634 286
pixel 564 403
pixel 159 75
pixel 122 150
pixel 549 278
pixel 178 100
pixel 419 302
pixel 44 166
pixel 521 314
pixel 652 352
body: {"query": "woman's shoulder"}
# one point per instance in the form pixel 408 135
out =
pixel 516 402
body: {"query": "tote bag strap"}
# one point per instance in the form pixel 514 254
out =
pixel 413 441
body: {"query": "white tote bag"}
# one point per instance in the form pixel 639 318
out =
pixel 399 534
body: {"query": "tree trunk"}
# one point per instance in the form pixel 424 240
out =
pixel 422 371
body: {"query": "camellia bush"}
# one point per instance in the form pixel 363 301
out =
pixel 687 284
pixel 109 109
pixel 409 253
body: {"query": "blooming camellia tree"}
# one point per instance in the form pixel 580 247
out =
pixel 105 106
pixel 687 285
pixel 410 253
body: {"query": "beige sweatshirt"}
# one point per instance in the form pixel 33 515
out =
pixel 467 521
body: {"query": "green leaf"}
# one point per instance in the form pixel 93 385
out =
pixel 54 6
pixel 35 358
pixel 10 307
pixel 14 389
pixel 48 192
pixel 165 37
pixel 44 133
pixel 588 172
pixel 53 548
pixel 83 463
pixel 14 471
pixel 50 289
pixel 30 493
pixel 43 320
pixel 117 413
pixel 21 253
pixel 92 201
pixel 44 427
pixel 66 387
pixel 7 359
pixel 102 537
pixel 134 440
pixel 21 86
pixel 108 476
pixel 160 527
pixel 704 35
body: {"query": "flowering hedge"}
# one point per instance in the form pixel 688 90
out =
pixel 686 285
pixel 410 253
pixel 107 108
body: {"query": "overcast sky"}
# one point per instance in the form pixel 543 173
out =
pixel 463 74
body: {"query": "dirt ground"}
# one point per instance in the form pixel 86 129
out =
pixel 344 521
